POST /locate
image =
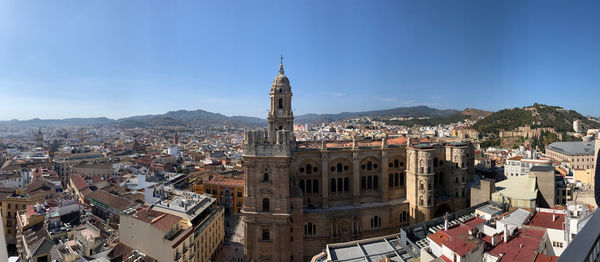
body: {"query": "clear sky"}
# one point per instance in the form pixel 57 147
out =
pixel 62 59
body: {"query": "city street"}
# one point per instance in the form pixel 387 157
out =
pixel 233 248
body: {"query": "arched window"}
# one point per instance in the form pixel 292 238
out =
pixel 339 167
pixel 396 162
pixel 421 170
pixel 266 177
pixel 308 169
pixel 428 169
pixel 375 182
pixel 456 180
pixel 369 182
pixel 280 103
pixel 421 185
pixel 396 177
pixel 266 205
pixel 315 186
pixel 333 185
pixel 280 127
pixel 308 187
pixel 340 184
pixel 421 201
pixel 369 165
pixel 302 186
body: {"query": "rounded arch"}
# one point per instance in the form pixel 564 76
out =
pixel 340 165
pixel 308 167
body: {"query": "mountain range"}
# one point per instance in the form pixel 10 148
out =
pixel 201 118
pixel 424 115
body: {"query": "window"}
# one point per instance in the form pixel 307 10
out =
pixel 308 186
pixel 376 222
pixel 396 177
pixel 391 180
pixel 363 183
pixel 402 179
pixel 340 184
pixel 308 169
pixel 302 186
pixel 315 186
pixel 310 229
pixel 369 165
pixel 333 185
pixel 369 182
pixel 280 103
pixel 435 162
pixel 375 182
pixel 346 184
pixel 339 167
pixel 265 234
pixel 266 205
pixel 266 177
pixel 396 163
pixel 404 216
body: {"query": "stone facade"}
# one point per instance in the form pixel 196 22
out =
pixel 298 197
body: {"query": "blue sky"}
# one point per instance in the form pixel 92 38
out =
pixel 62 59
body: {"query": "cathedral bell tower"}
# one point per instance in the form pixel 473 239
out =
pixel 281 116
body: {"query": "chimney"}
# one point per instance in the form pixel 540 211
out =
pixel 446 221
pixel 494 240
pixel 505 233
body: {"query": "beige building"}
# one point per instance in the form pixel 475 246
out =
pixel 586 176
pixel 93 170
pixel 576 155
pixel 64 161
pixel 179 229
pixel 299 196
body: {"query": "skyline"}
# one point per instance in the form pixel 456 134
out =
pixel 115 60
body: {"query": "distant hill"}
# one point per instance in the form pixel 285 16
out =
pixel 197 118
pixel 469 113
pixel 415 111
pixel 538 115
pixel 36 122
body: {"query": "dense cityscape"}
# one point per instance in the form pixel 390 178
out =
pixel 310 131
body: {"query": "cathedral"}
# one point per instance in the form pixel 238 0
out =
pixel 300 196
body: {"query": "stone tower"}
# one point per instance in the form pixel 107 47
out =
pixel 420 181
pixel 281 116
pixel 267 207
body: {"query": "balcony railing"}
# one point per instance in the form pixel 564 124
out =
pixel 586 245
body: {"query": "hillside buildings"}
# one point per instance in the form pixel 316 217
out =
pixel 299 196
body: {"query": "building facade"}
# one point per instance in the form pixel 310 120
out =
pixel 299 196
pixel 575 155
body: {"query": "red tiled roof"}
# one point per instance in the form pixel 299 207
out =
pixel 523 247
pixel 544 219
pixel 473 223
pixel 110 199
pixel 545 258
pixel 160 220
pixel 516 158
pixel 79 183
pixel 456 239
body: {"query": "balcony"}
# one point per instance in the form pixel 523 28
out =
pixel 586 245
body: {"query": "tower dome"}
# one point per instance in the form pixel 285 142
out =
pixel 281 83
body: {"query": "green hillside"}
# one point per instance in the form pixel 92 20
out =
pixel 535 116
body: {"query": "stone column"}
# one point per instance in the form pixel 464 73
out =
pixel 355 178
pixel 325 180
pixel 385 196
